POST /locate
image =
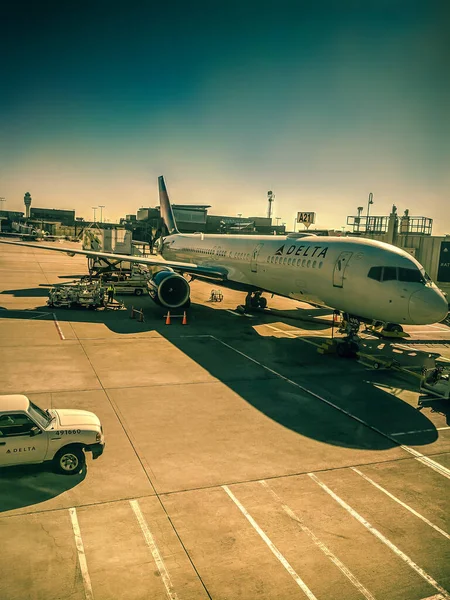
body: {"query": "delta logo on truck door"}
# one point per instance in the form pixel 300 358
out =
pixel 16 450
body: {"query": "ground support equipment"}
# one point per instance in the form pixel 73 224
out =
pixel 390 330
pixel 86 295
pixel 216 296
pixel 435 383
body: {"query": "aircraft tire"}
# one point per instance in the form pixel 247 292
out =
pixel 138 292
pixel 254 302
pixel 394 327
pixel 262 302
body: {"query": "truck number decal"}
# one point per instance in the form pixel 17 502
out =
pixel 68 432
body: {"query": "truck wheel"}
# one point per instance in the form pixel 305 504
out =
pixel 69 460
pixel 138 292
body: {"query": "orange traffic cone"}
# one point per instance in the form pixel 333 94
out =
pixel 168 318
pixel 184 321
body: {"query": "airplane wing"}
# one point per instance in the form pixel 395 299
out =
pixel 216 273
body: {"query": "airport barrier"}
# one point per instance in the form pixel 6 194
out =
pixel 169 317
pixel 135 311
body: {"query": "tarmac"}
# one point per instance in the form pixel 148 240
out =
pixel 239 462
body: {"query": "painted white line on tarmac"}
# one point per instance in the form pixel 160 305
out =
pixel 271 546
pixel 340 565
pixel 81 555
pixel 436 597
pixel 441 327
pixel 382 538
pixel 428 462
pixel 61 335
pixel 236 314
pixel 154 550
pixel 293 335
pixel 411 510
pixel 411 432
pixel 419 431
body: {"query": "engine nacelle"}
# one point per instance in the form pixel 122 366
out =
pixel 169 289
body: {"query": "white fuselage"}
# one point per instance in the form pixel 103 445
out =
pixel 329 271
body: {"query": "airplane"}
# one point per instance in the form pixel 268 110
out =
pixel 365 280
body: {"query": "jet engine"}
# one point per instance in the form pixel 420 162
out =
pixel 169 289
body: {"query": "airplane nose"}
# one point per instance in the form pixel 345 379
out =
pixel 427 306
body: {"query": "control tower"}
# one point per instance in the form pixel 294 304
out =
pixel 27 202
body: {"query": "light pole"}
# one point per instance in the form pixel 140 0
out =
pixel 368 209
pixel 94 208
pixel 101 207
pixel 295 221
pixel 358 218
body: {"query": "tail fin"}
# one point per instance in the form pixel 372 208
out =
pixel 166 208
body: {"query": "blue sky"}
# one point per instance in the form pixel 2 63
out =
pixel 321 102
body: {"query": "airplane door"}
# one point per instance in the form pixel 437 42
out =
pixel 340 268
pixel 254 260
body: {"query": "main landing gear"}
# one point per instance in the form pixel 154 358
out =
pixel 255 300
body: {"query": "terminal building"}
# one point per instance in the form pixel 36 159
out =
pixel 53 215
pixel 194 218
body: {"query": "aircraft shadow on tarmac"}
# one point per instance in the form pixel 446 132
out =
pixel 28 485
pixel 281 371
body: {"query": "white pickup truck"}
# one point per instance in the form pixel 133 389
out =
pixel 29 434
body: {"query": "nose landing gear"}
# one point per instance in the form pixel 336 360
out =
pixel 348 346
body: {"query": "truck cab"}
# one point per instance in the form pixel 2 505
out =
pixel 31 435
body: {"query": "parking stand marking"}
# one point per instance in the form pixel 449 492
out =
pixel 154 550
pixel 81 555
pixel 428 462
pixel 61 335
pixel 411 510
pixel 271 546
pixel 340 565
pixel 382 538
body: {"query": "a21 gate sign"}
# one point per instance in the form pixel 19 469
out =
pixel 308 218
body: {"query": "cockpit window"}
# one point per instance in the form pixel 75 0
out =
pixel 400 274
pixel 389 273
pixel 375 273
pixel 410 275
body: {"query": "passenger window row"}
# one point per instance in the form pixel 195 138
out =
pixel 295 262
pixel 212 252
